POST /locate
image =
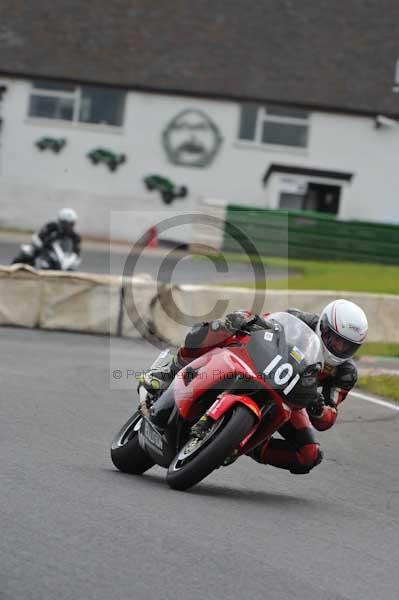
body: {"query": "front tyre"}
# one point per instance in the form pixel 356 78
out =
pixel 126 452
pixel 194 463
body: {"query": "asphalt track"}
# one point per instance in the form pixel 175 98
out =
pixel 159 263
pixel 73 528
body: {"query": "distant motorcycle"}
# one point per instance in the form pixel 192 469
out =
pixel 28 252
pixel 59 256
pixel 222 405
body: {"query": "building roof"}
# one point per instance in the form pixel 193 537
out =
pixel 329 54
pixel 308 172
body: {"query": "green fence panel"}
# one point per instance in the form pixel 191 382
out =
pixel 299 234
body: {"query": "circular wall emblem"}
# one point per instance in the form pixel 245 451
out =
pixel 191 139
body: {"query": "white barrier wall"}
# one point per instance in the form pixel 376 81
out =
pixel 54 300
pixel 81 302
pixel 381 310
pixel 138 297
pixel 20 297
pixel 104 304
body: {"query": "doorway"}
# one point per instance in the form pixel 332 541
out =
pixel 322 198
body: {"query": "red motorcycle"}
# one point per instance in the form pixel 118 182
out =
pixel 222 405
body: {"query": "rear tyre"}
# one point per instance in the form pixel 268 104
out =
pixel 126 452
pixel 189 467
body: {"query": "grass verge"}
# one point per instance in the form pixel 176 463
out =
pixel 382 385
pixel 351 277
pixel 328 275
pixel 379 349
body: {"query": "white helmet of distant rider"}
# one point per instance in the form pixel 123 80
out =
pixel 342 328
pixel 67 218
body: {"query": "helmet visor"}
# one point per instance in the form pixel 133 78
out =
pixel 335 343
pixel 66 226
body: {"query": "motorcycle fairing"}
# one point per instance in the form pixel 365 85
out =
pixel 220 368
pixel 226 401
pixel 216 370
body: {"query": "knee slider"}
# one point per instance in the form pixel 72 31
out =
pixel 311 456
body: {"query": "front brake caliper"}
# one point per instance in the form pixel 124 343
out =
pixel 201 427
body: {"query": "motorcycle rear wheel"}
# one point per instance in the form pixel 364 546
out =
pixel 229 431
pixel 126 452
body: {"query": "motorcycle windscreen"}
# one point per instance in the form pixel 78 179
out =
pixel 301 336
pixel 66 243
pixel 287 356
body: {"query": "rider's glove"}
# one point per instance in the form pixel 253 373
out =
pixel 315 409
pixel 240 320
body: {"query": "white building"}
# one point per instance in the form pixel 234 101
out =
pixel 239 130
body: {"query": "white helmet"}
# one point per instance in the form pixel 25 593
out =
pixel 67 215
pixel 342 328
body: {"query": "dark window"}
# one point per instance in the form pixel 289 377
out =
pixel 51 107
pixel 249 113
pixel 101 105
pixel 284 134
pixel 275 125
pixel 67 102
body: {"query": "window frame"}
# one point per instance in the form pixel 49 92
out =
pixel 76 96
pixel 262 117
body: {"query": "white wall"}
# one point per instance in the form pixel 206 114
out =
pixel 34 185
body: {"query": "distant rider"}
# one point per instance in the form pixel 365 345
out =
pixel 63 227
pixel 342 327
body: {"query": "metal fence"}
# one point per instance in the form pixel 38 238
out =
pixel 299 234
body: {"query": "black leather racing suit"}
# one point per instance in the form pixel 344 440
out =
pixel 53 231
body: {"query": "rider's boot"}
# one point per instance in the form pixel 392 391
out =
pixel 157 379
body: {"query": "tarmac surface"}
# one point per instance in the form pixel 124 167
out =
pixel 178 267
pixel 74 528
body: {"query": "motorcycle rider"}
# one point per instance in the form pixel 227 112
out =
pixel 63 227
pixel 342 327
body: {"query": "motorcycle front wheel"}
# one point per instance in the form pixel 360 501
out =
pixel 198 458
pixel 126 452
